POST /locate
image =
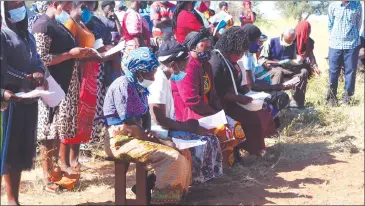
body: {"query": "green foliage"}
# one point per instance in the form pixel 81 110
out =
pixel 302 9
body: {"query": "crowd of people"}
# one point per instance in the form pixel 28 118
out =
pixel 179 63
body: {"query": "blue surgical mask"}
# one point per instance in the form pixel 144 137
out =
pixel 178 77
pixel 62 17
pixel 204 56
pixel 86 15
pixel 17 15
pixel 254 47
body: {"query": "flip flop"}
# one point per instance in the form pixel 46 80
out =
pixel 52 188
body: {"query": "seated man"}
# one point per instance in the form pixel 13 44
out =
pixel 279 56
pixel 207 158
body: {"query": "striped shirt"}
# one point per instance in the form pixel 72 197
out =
pixel 344 22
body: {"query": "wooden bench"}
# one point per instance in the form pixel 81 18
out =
pixel 120 184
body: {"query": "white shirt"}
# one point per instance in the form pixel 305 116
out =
pixel 161 93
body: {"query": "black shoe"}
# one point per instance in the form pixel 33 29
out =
pixel 346 99
pixel 331 98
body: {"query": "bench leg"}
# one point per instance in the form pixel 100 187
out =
pixel 121 169
pixel 141 182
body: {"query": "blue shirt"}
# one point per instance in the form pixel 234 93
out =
pixel 344 22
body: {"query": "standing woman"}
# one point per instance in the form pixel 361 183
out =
pixel 89 69
pixel 248 16
pixel 108 70
pixel 57 48
pixel 21 145
pixel 185 20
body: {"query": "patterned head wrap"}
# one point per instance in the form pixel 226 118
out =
pixel 41 6
pixel 141 60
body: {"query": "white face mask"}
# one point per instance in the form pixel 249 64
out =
pixel 17 15
pixel 145 83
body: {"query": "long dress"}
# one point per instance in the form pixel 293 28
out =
pixel 207 158
pixel 172 168
pixel 53 38
pixel 104 79
pixel 195 97
pixel 21 142
pixel 88 87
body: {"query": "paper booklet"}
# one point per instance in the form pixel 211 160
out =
pixel 213 121
pixel 186 144
pixel 117 48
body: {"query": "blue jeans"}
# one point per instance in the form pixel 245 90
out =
pixel 348 59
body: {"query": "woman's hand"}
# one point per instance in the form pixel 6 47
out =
pixel 38 80
pixel 192 125
pixel 80 53
pixel 9 96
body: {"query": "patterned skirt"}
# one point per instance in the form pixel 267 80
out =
pixel 172 168
pixel 206 159
pixel 60 123
pixel 87 104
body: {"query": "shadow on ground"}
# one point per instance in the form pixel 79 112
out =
pixel 252 184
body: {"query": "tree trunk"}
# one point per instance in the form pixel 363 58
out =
pixel 307 16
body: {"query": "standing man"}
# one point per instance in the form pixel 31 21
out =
pixel 111 20
pixel 344 22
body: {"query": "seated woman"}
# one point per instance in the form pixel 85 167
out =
pixel 207 159
pixel 305 46
pixel 228 78
pixel 195 96
pixel 125 103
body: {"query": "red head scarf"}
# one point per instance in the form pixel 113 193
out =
pixel 302 31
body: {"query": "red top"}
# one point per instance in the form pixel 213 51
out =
pixel 194 97
pixel 186 23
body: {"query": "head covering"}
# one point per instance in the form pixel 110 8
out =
pixel 106 3
pixel 41 6
pixel 252 31
pixel 194 38
pixel 23 25
pixel 246 2
pixel 302 31
pixel 142 60
pixel 171 51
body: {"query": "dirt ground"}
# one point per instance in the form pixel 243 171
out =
pixel 320 177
